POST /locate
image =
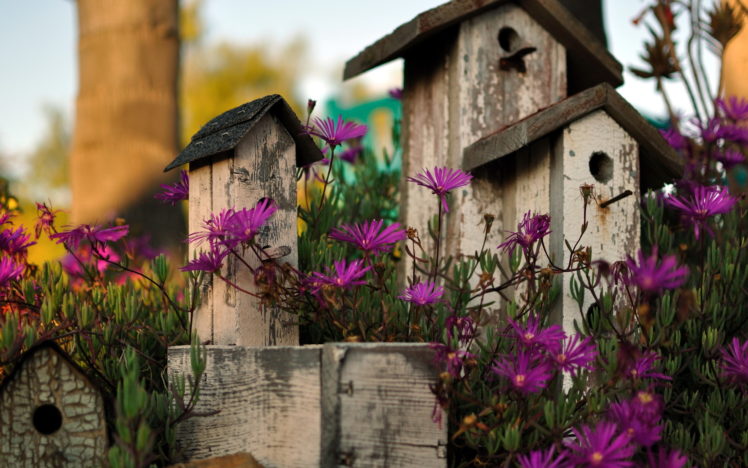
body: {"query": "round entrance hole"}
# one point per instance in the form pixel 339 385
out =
pixel 601 167
pixel 508 38
pixel 47 419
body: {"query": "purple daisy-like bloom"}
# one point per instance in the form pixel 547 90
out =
pixel 334 133
pixel 369 235
pixel 729 158
pixel 423 293
pixel 351 154
pixel 637 420
pixel 735 361
pixel 641 367
pixel 396 93
pixel 666 459
pixel 45 219
pixel 345 275
pixel 675 139
pixel 15 242
pixel 452 359
pixel 175 192
pixel 531 229
pixel 703 203
pixel 215 229
pixel 531 335
pixel 94 234
pixel 527 371
pixel 652 276
pixel 209 261
pixel 442 181
pixel 9 270
pixel 465 327
pixel 244 224
pixel 575 354
pixel 733 108
pixel 542 459
pixel 603 446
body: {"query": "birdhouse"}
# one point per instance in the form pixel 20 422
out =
pixel 243 155
pixel 594 138
pixel 51 414
pixel 472 67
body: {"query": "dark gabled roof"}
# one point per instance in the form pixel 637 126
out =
pixel 30 353
pixel 224 132
pixel 589 61
pixel 659 161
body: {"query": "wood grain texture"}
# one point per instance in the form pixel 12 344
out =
pixel 269 403
pixel 46 378
pixel 589 62
pixel 377 406
pixel 263 166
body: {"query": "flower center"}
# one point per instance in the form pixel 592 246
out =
pixel 596 458
pixel 519 380
pixel 647 282
pixel 529 336
pixel 561 357
pixel 645 397
pixel 339 281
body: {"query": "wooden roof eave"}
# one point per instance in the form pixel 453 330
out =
pixel 590 62
pixel 659 161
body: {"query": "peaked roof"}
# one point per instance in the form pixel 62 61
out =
pixel 589 62
pixel 223 133
pixel 659 161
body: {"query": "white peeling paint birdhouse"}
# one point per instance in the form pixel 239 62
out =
pixel 51 414
pixel 243 155
pixel 472 67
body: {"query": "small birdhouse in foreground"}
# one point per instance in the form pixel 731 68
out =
pixel 51 414
pixel 243 155
pixel 594 138
pixel 472 67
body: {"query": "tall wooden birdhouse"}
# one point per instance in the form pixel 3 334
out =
pixel 472 67
pixel 593 139
pixel 243 155
pixel 51 414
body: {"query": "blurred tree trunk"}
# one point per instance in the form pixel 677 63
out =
pixel 590 14
pixel 735 62
pixel 126 127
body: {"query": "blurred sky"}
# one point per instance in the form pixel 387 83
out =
pixel 38 50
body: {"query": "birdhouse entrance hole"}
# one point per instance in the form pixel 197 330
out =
pixel 508 38
pixel 47 419
pixel 601 167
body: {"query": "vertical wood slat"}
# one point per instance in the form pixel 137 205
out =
pixel 263 165
pixel 341 404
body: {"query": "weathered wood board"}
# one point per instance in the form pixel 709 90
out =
pixel 361 405
pixel 50 415
pixel 263 166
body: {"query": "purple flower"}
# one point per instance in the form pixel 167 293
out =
pixel 729 158
pixel 465 327
pixel 713 130
pixel 396 93
pixel 244 224
pixel 335 133
pixel 703 203
pixel 675 139
pixel 531 229
pixel 651 277
pixel 733 108
pixel 176 192
pixel 45 219
pixel 369 235
pixel 423 293
pixel 527 372
pixel 542 459
pixel 9 270
pixel 666 459
pixel 641 368
pixel 575 355
pixel 15 242
pixel 350 154
pixel 601 447
pixel 209 261
pixel 639 418
pixel 451 359
pixel 442 181
pixel 735 361
pixel 531 335
pixel 345 275
pixel 94 234
pixel 215 229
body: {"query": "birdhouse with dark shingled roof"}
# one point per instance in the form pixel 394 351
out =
pixel 243 155
pixel 51 413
